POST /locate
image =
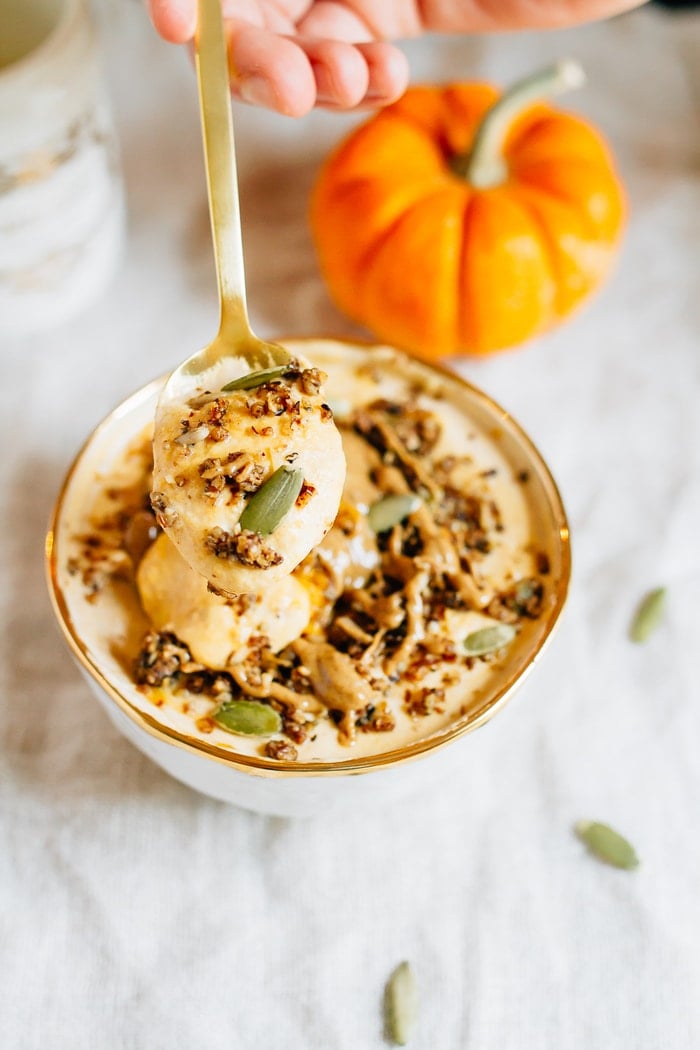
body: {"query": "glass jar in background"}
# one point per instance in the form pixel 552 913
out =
pixel 61 196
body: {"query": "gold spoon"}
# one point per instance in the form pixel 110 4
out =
pixel 235 338
pixel 243 536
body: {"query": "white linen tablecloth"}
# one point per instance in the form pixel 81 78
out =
pixel 137 914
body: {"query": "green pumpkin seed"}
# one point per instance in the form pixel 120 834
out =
pixel 248 718
pixel 391 510
pixel 648 615
pixel 607 844
pixel 268 506
pixel 401 1004
pixel 253 379
pixel 489 639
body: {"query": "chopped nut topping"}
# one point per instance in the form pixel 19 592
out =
pixel 238 471
pixel 376 718
pixel 273 399
pixel 526 598
pixel 377 429
pixel 294 730
pixel 161 658
pixel 464 514
pixel 307 491
pixel 165 515
pixel 97 564
pixel 417 429
pixel 216 411
pixel 245 545
pixel 281 750
pixel 312 379
pixel 159 502
pixel 542 563
pixel 422 702
pixel 218 433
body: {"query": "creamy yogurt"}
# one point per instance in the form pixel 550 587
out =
pixel 221 450
pixel 375 650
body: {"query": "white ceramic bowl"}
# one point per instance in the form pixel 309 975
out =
pixel 249 780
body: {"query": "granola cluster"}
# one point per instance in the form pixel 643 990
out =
pixel 237 471
pixel 246 546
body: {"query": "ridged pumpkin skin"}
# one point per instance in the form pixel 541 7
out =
pixel 428 262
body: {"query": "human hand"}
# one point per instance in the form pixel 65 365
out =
pixel 292 55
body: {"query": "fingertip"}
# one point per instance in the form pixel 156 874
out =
pixel 340 71
pixel 174 20
pixel 259 90
pixel 271 71
pixel 388 72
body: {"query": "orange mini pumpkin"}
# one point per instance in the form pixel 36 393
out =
pixel 455 221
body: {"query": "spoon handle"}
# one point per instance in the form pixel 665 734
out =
pixel 217 130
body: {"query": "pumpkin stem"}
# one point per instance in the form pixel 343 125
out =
pixel 485 165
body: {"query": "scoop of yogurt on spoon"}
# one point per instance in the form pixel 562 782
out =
pixel 247 480
pixel 248 464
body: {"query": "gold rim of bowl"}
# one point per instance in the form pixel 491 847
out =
pixel 260 766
